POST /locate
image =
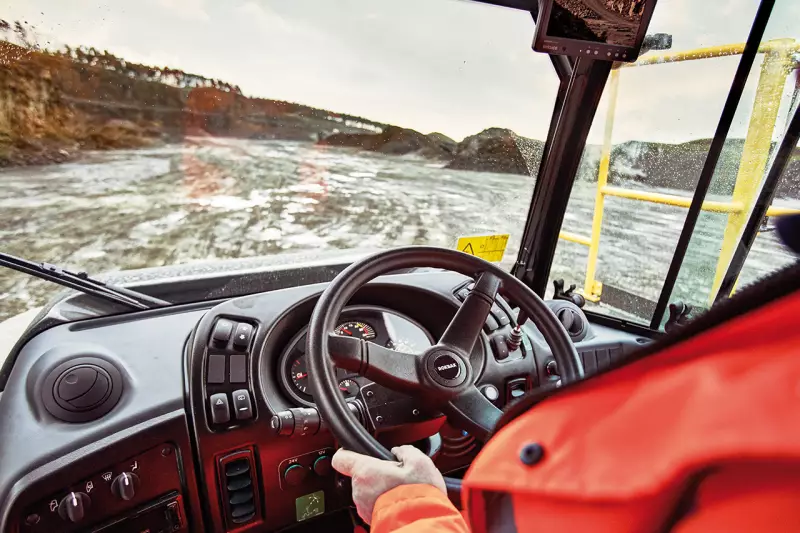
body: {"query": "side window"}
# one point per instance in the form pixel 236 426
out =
pixel 648 144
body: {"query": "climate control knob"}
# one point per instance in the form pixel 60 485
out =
pixel 295 475
pixel 73 506
pixel 124 486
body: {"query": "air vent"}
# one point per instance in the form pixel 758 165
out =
pixel 82 388
pixel 571 321
pixel 239 488
pixel 571 317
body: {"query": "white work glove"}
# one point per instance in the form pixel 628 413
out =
pixel 372 477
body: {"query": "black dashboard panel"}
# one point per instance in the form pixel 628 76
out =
pixel 43 458
pixel 278 318
pixel 239 472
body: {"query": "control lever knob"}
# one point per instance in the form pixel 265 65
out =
pixel 124 486
pixel 73 507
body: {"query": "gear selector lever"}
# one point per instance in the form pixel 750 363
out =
pixel 515 338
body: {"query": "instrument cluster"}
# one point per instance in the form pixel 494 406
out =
pixel 374 324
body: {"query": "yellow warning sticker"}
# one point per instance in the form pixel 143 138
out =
pixel 488 247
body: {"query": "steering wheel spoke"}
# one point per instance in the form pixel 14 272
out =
pixel 464 329
pixel 396 370
pixel 472 412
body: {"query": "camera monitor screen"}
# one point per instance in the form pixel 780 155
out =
pixel 608 29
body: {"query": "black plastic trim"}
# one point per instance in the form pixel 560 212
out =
pixel 621 324
pixel 559 167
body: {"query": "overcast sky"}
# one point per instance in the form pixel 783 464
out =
pixel 434 65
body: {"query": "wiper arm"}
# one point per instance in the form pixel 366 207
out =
pixel 82 282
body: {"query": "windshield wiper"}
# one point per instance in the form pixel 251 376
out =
pixel 82 282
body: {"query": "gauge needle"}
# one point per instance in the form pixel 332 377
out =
pixel 347 331
pixel 301 375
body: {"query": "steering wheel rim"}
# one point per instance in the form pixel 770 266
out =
pixel 330 402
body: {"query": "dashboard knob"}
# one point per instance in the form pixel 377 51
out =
pixel 73 507
pixel 322 466
pixel 295 475
pixel 124 486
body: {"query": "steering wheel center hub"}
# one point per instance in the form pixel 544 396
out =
pixel 446 368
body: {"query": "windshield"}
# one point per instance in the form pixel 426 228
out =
pixel 143 134
pixel 646 150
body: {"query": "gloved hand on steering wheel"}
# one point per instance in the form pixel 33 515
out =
pixel 373 477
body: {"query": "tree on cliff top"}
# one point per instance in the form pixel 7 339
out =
pixel 106 60
pixel 20 33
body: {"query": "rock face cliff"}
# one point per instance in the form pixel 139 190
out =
pixel 395 141
pixel 52 105
pixel 678 166
pixel 498 150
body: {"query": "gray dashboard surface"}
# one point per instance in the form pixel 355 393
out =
pixel 149 355
pixel 148 349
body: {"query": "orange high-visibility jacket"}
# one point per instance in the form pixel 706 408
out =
pixel 701 436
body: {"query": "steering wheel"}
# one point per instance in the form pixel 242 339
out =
pixel 441 375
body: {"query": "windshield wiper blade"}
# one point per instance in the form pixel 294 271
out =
pixel 82 282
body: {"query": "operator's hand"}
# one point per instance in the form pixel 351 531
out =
pixel 372 477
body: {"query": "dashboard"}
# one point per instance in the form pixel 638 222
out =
pixel 200 417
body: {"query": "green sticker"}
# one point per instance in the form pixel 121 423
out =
pixel 310 505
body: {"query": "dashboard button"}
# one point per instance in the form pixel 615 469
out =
pixel 242 335
pixel 603 359
pixel 216 369
pixel 241 404
pixel 500 315
pixel 491 392
pixel 222 332
pixel 589 362
pixel 615 354
pixel 238 368
pixel 499 347
pixel 220 410
pixel 491 324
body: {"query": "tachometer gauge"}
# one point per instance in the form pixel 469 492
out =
pixel 299 374
pixel 359 330
pixel 348 387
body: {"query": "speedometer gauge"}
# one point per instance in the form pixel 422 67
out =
pixel 359 330
pixel 299 374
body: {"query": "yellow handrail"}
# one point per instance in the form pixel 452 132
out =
pixel 780 46
pixel 778 62
pixel 672 199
